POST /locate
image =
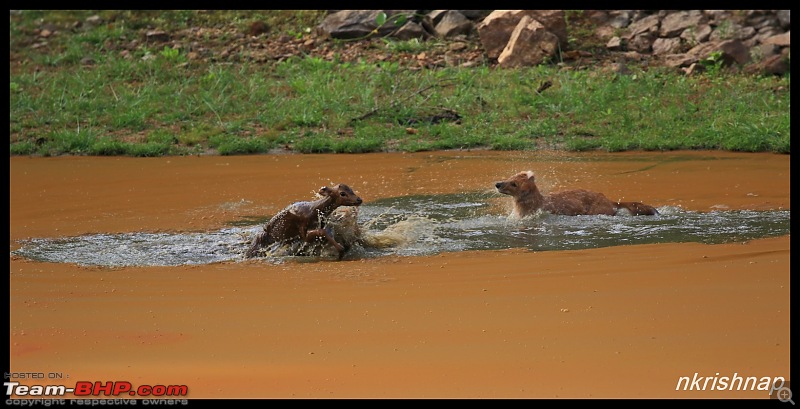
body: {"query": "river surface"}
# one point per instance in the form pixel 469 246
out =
pixel 417 220
pixel 131 269
pixel 424 225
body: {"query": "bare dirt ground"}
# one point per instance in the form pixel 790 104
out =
pixel 466 51
pixel 229 41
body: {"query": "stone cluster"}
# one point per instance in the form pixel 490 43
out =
pixel 758 39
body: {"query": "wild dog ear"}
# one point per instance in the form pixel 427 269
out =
pixel 529 174
pixel 325 191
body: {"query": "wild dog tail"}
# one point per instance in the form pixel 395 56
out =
pixel 637 208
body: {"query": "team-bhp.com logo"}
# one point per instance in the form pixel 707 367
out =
pixel 92 389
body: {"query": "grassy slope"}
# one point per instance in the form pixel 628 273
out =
pixel 105 90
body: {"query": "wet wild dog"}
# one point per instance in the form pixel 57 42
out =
pixel 306 221
pixel 528 200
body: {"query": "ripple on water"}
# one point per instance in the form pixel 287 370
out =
pixel 424 225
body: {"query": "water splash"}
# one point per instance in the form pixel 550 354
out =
pixel 417 226
pixel 138 249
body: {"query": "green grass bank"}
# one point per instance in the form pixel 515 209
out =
pixel 77 93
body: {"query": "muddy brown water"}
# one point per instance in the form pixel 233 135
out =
pixel 395 323
pixel 445 202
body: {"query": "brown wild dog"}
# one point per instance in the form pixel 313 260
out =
pixel 528 200
pixel 306 221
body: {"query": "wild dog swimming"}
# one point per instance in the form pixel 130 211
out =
pixel 307 221
pixel 528 200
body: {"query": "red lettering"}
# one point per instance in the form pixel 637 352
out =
pixel 106 389
pixel 83 388
pixel 121 387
